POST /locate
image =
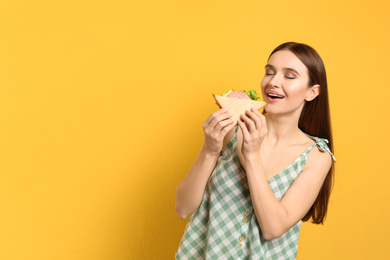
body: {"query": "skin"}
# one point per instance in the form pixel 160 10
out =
pixel 266 145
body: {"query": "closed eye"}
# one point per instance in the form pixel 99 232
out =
pixel 269 72
pixel 289 77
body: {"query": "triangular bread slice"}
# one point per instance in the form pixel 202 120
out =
pixel 237 106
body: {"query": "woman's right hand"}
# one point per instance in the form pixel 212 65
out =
pixel 215 129
pixel 189 192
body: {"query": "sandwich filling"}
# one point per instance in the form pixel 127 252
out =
pixel 238 94
pixel 243 94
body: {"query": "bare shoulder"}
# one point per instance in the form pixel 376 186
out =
pixel 317 159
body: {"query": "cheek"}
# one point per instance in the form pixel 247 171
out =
pixel 264 84
pixel 298 91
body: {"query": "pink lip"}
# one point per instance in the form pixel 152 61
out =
pixel 273 100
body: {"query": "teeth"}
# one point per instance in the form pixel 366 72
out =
pixel 273 95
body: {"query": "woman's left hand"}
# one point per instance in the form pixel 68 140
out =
pixel 254 128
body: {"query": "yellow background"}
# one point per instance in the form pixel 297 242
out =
pixel 102 102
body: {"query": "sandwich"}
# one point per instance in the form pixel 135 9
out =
pixel 237 102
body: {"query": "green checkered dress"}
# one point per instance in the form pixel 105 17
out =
pixel 225 226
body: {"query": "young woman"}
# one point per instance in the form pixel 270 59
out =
pixel 251 185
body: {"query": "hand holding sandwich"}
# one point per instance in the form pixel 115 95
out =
pixel 254 128
pixel 215 129
pixel 245 109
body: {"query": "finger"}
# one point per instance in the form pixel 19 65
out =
pixel 250 124
pixel 260 115
pixel 263 121
pixel 264 127
pixel 257 112
pixel 227 128
pixel 213 115
pixel 222 124
pixel 255 118
pixel 218 118
pixel 243 128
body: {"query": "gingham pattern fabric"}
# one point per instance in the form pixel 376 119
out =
pixel 225 226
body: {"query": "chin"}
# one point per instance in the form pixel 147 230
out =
pixel 271 110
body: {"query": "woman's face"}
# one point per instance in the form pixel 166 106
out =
pixel 285 86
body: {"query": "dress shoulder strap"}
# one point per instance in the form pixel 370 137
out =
pixel 322 145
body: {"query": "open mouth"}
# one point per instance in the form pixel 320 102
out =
pixel 274 96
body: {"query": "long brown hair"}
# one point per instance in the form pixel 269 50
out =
pixel 315 119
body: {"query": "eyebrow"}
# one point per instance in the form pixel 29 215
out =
pixel 285 68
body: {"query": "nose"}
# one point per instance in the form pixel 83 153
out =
pixel 276 80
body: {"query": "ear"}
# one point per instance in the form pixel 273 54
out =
pixel 313 92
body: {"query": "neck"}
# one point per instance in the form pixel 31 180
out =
pixel 282 129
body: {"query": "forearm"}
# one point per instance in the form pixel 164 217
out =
pixel 190 191
pixel 270 213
